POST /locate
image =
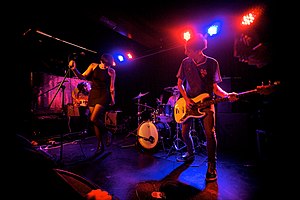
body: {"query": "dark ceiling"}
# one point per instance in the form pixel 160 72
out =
pixel 150 25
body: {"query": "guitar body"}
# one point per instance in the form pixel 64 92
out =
pixel 181 113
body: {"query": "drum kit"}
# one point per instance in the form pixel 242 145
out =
pixel 154 124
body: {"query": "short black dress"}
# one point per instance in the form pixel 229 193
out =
pixel 100 88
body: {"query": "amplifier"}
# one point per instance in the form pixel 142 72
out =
pixel 113 118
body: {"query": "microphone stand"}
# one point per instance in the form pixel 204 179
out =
pixel 61 86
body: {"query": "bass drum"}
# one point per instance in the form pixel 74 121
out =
pixel 149 134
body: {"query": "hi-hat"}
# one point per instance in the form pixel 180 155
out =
pixel 140 95
pixel 172 89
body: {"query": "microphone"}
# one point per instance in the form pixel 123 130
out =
pixel 150 139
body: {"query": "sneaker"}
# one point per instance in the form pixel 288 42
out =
pixel 211 174
pixel 186 157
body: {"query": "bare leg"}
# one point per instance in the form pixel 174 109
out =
pixel 97 116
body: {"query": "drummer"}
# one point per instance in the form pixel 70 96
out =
pixel 173 99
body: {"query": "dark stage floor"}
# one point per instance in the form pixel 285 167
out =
pixel 133 169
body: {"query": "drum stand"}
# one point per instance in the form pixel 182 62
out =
pixel 195 136
pixel 178 144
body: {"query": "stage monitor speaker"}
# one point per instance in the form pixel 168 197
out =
pixel 50 125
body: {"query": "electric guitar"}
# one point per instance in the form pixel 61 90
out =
pixel 181 113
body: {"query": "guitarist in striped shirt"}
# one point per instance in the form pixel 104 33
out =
pixel 199 74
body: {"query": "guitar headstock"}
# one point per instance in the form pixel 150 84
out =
pixel 267 89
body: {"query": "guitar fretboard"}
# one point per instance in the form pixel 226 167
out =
pixel 218 100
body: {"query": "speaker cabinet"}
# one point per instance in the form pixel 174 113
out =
pixel 236 84
pixel 235 132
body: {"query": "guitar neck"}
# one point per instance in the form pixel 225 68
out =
pixel 247 92
pixel 218 100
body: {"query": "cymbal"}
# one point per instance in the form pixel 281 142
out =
pixel 145 106
pixel 140 95
pixel 172 89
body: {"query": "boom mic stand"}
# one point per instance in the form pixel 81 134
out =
pixel 61 86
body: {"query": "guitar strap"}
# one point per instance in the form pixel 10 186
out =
pixel 202 81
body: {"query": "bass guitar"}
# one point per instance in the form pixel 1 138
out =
pixel 181 113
